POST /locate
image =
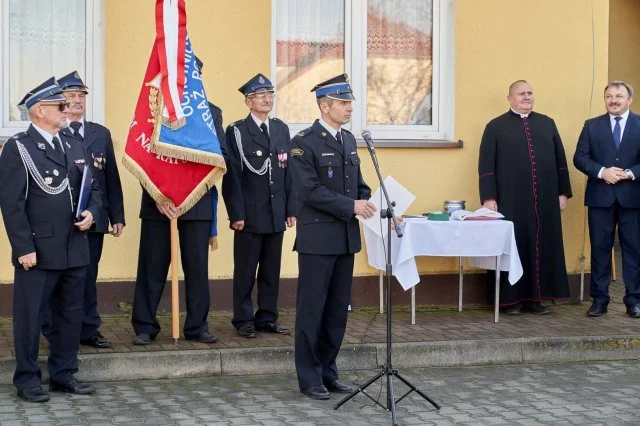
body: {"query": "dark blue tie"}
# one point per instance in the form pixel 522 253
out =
pixel 617 131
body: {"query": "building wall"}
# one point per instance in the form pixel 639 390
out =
pixel 624 42
pixel 546 42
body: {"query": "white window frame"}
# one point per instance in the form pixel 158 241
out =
pixel 443 102
pixel 94 60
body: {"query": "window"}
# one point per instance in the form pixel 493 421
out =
pixel 44 38
pixel 398 54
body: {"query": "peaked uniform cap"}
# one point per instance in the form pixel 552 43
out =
pixel 48 91
pixel 72 83
pixel 337 88
pixel 258 83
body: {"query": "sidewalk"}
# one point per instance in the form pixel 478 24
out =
pixel 441 336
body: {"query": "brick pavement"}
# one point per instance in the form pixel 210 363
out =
pixel 369 326
pixel 603 393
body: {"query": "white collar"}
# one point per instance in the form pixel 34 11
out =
pixel 330 129
pixel 46 135
pixel 521 114
pixel 258 122
pixel 624 116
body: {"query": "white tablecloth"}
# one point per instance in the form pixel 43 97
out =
pixel 480 240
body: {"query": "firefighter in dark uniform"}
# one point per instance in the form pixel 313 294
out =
pixel 40 181
pixel 154 259
pixel 327 178
pixel 257 194
pixel 97 143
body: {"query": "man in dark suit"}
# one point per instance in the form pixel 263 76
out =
pixel 97 143
pixel 154 259
pixel 40 181
pixel 327 179
pixel 257 193
pixel 608 152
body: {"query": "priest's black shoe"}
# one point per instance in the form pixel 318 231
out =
pixel 34 394
pixel 513 310
pixel 203 337
pixel 72 386
pixel 247 330
pixel 272 327
pixel 339 386
pixel 538 309
pixel 316 392
pixel 633 310
pixel 142 339
pixel 597 309
pixel 96 341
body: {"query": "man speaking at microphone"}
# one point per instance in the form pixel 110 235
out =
pixel 329 184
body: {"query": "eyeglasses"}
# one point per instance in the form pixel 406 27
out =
pixel 61 106
pixel 263 95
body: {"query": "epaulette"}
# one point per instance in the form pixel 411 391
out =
pixel 345 130
pixel 276 119
pixel 18 136
pixel 235 123
pixel 303 133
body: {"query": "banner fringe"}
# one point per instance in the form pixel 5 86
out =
pixel 187 154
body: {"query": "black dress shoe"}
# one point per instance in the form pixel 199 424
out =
pixel 538 309
pixel 72 386
pixel 513 310
pixel 339 386
pixel 203 337
pixel 316 392
pixel 272 327
pixel 597 309
pixel 633 310
pixel 96 341
pixel 142 339
pixel 247 330
pixel 34 394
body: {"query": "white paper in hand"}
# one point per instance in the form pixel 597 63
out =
pixel 397 193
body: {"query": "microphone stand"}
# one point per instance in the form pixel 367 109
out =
pixel 387 369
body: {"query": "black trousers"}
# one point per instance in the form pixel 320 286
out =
pixel 324 290
pixel 154 259
pixel 264 253
pixel 602 225
pixel 90 318
pixel 62 290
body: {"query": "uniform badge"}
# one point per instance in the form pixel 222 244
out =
pixel 68 146
pixel 297 152
pixel 56 172
pixel 41 146
pixel 259 153
pixel 324 133
pixel 328 154
pixel 330 173
pixel 98 162
pixel 48 180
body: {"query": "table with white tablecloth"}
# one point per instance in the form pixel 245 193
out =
pixel 487 244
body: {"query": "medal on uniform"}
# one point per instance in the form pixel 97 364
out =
pixel 41 146
pixel 56 172
pixel 282 160
pixel 330 173
pixel 259 153
pixel 48 180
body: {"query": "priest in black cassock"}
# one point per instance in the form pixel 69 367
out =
pixel 523 175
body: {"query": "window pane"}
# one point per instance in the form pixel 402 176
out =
pixel 309 49
pixel 46 38
pixel 399 61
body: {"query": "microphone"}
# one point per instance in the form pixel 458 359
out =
pixel 366 135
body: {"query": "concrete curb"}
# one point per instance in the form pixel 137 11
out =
pixel 193 363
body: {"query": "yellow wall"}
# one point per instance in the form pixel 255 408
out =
pixel 547 42
pixel 624 42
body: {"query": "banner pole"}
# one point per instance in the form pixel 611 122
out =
pixel 175 295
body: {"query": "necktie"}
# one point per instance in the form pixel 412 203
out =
pixel 617 131
pixel 339 137
pixel 76 125
pixel 265 131
pixel 57 146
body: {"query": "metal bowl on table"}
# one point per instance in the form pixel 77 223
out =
pixel 451 206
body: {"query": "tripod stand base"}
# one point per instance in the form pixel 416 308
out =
pixel 390 373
